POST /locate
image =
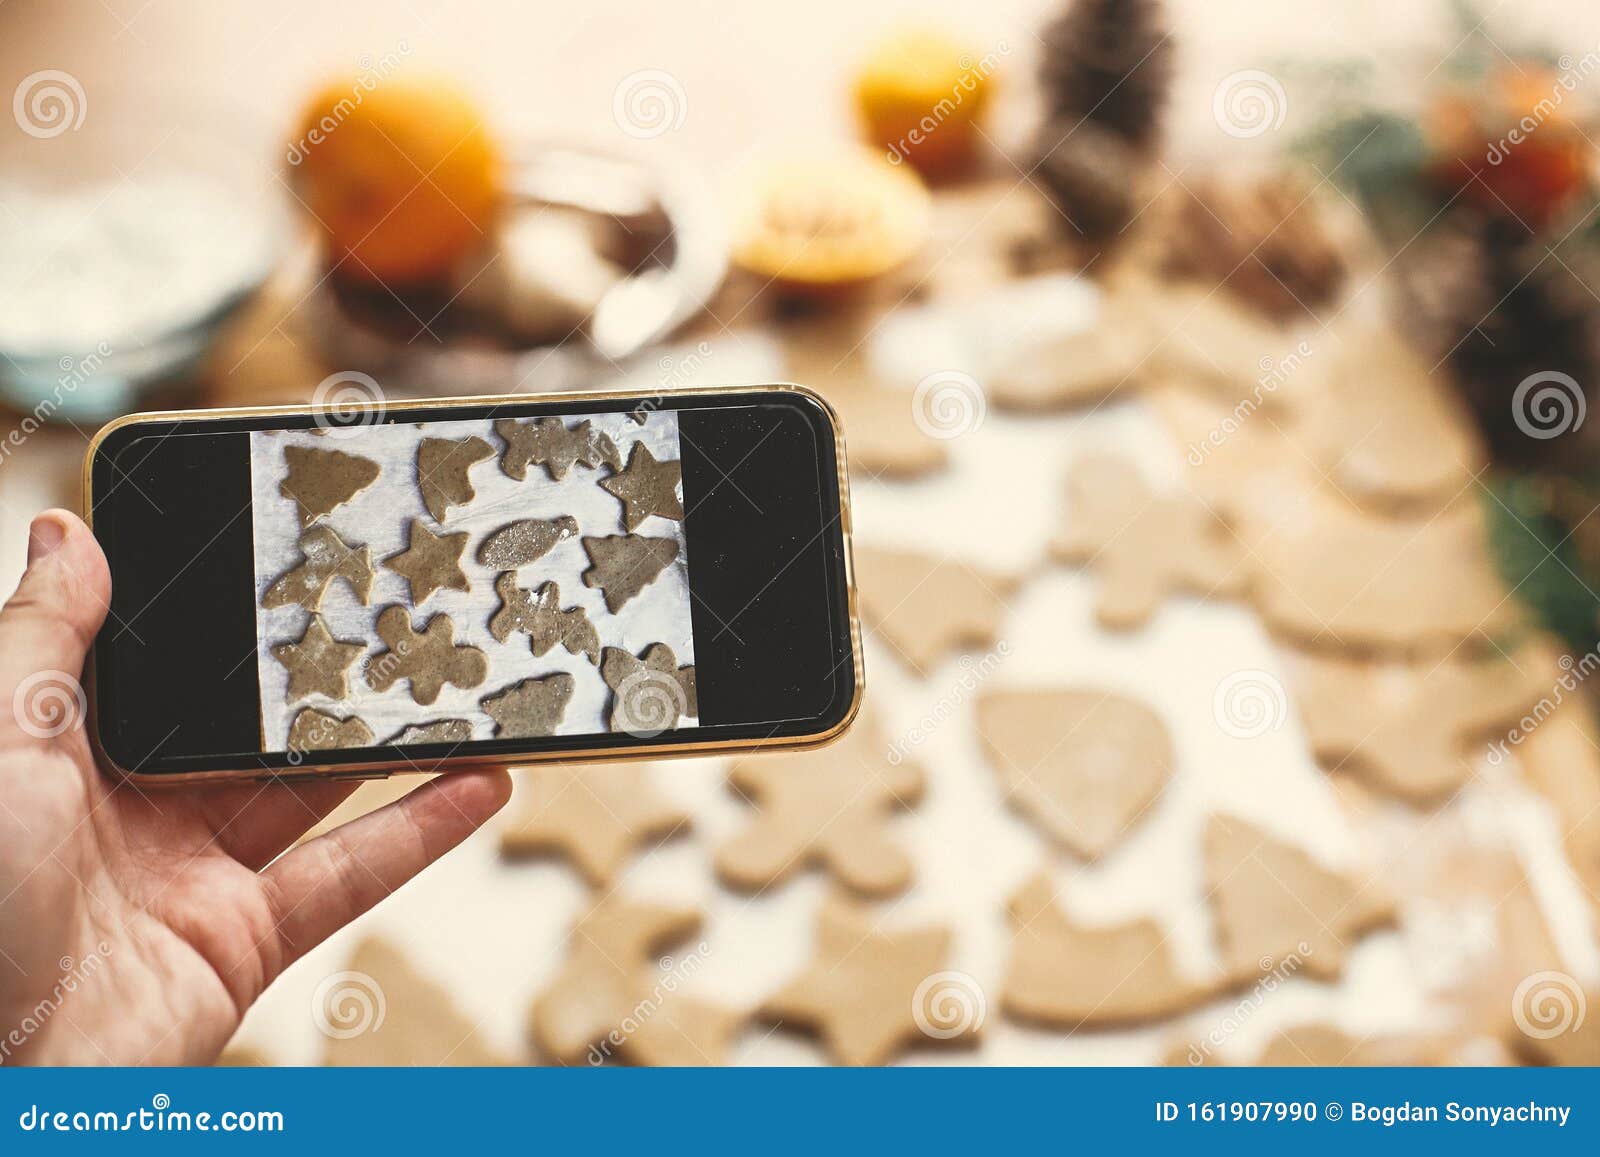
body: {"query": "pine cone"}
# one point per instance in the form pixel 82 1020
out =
pixel 1109 61
pixel 1521 333
pixel 1090 174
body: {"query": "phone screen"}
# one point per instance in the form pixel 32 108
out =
pixel 458 581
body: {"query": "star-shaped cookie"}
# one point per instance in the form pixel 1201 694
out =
pixel 594 815
pixel 430 561
pixel 646 487
pixel 650 693
pixel 318 663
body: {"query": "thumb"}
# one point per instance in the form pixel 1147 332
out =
pixel 46 627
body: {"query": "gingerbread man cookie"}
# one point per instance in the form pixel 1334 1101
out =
pixel 429 658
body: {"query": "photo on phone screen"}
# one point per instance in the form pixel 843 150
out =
pixel 505 578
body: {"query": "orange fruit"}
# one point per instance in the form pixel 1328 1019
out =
pixel 831 220
pixel 919 95
pixel 401 174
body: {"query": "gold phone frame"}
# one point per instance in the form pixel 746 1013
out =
pixel 386 768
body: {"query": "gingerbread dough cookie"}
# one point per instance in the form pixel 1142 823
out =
pixel 594 815
pixel 1413 730
pixel 1070 975
pixel 314 730
pixel 540 617
pixel 325 557
pixel 519 543
pixel 617 997
pixel 1142 546
pixel 531 708
pixel 927 607
pixel 1272 902
pixel 547 442
pixel 430 562
pixel 622 565
pixel 870 992
pixel 318 664
pixel 829 807
pixel 320 481
pixel 440 731
pixel 442 466
pixel 650 693
pixel 382 1011
pixel 429 658
pixel 1085 765
pixel 646 487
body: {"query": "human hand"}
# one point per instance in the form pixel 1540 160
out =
pixel 188 902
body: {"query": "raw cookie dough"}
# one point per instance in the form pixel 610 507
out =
pixel 622 565
pixel 1143 547
pixel 647 487
pixel 1085 765
pixel 829 807
pixel 547 442
pixel 428 658
pixel 927 607
pixel 531 708
pixel 319 481
pixel 439 731
pixel 594 815
pixel 519 543
pixel 540 617
pixel 430 562
pixel 592 1012
pixel 650 693
pixel 326 557
pixel 318 664
pixel 871 991
pixel 315 730
pixel 442 466
pixel 1070 975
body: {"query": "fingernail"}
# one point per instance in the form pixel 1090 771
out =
pixel 44 537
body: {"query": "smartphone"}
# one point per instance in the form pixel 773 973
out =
pixel 348 592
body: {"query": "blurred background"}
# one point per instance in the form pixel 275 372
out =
pixel 1216 382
